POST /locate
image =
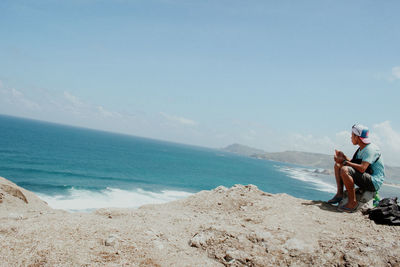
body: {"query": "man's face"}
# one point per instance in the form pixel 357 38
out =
pixel 354 138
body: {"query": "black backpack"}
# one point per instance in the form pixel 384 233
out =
pixel 387 212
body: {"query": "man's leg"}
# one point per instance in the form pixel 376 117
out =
pixel 349 184
pixel 339 182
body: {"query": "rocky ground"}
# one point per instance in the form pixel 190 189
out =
pixel 239 226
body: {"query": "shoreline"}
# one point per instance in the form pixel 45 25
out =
pixel 392 185
pixel 237 226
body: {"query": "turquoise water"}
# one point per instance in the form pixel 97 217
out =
pixel 80 169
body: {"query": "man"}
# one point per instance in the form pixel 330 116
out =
pixel 366 169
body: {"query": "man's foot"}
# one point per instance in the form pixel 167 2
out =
pixel 349 207
pixel 336 199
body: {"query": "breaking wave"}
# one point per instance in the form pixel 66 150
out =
pixel 308 176
pixel 85 200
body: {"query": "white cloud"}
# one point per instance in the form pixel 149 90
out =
pixel 310 143
pixel 389 76
pixel 17 94
pixel 342 141
pixel 386 135
pixel 73 99
pixel 18 100
pixel 106 113
pixel 68 108
pixel 388 140
pixel 57 107
pixel 396 72
pixel 179 120
pixel 343 135
pixel 80 108
pixel 382 134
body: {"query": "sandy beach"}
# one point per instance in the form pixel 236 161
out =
pixel 238 226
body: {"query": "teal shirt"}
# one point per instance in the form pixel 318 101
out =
pixel 369 154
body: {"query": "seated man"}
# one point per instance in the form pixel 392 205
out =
pixel 366 169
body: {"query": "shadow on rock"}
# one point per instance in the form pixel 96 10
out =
pixel 322 205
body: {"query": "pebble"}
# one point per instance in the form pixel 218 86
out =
pixel 111 240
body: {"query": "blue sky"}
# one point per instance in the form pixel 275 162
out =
pixel 278 75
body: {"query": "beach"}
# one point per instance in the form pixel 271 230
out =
pixel 237 226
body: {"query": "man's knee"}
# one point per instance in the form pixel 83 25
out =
pixel 346 176
pixel 337 166
pixel 344 171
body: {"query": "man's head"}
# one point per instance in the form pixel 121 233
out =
pixel 360 132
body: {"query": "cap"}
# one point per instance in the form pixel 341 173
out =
pixel 362 132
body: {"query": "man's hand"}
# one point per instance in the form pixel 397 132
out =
pixel 339 157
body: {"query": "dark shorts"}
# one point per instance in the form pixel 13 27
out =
pixel 362 180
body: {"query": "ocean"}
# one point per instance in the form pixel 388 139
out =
pixel 79 169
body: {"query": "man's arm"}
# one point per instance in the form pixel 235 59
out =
pixel 359 167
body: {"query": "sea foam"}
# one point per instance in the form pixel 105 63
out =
pixel 306 175
pixel 78 200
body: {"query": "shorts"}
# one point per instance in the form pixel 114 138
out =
pixel 362 180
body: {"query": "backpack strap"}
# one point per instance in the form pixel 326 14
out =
pixel 355 160
pixel 377 159
pixel 355 155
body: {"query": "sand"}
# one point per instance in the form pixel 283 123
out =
pixel 238 226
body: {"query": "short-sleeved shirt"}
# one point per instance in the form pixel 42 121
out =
pixel 370 154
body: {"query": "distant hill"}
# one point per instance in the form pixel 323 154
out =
pixel 316 160
pixel 243 150
pixel 295 157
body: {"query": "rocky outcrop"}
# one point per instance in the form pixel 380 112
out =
pixel 237 226
pixel 13 191
pixel 15 200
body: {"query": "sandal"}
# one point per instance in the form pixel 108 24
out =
pixel 334 200
pixel 348 210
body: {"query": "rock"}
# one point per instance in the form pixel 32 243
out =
pixel 299 245
pixel 15 192
pixel 200 239
pixel 367 196
pixel 257 237
pixel 251 187
pixel 220 189
pixel 228 258
pixel 111 241
pixel 18 200
pixel 236 255
pixel 278 230
pixel 365 200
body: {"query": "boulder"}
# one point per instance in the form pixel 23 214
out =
pixel 17 200
pixel 364 198
pixel 13 191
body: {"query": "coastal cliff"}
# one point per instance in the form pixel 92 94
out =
pixel 238 226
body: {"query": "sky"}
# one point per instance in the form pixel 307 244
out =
pixel 275 75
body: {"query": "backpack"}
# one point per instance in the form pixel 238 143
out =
pixel 387 212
